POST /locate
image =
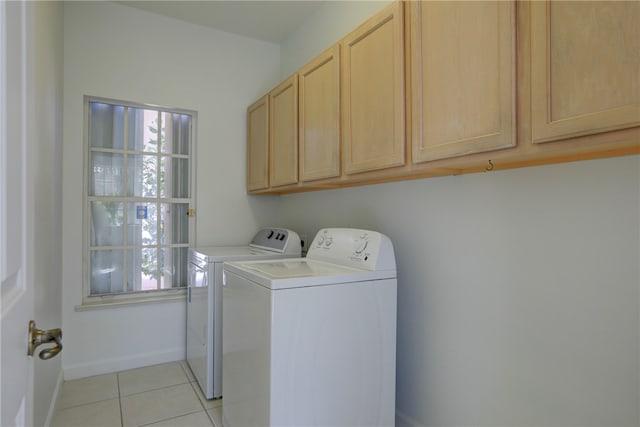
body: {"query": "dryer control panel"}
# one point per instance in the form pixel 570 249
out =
pixel 278 240
pixel 365 249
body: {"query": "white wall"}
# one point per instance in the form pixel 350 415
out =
pixel 518 291
pixel 331 22
pixel 118 52
pixel 44 92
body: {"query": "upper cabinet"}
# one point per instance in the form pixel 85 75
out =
pixel 258 145
pixel 585 68
pixel 463 68
pixel 319 116
pixel 373 102
pixel 283 133
pixel 473 85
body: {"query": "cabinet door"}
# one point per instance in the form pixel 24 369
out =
pixel 585 67
pixel 462 77
pixel 373 112
pixel 283 133
pixel 258 145
pixel 319 86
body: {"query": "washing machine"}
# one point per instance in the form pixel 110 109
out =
pixel 312 341
pixel 204 299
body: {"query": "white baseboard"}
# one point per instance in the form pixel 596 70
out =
pixel 54 400
pixel 108 366
pixel 403 420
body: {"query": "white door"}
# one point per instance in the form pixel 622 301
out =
pixel 15 224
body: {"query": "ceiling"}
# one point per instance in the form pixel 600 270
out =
pixel 268 20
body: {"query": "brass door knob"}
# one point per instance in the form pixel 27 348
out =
pixel 38 337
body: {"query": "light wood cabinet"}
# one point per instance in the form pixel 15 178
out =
pixel 462 77
pixel 283 133
pixel 585 68
pixel 488 84
pixel 373 102
pixel 319 116
pixel 258 145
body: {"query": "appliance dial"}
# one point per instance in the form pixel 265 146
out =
pixel 361 245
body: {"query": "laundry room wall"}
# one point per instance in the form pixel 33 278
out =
pixel 325 27
pixel 115 51
pixel 518 290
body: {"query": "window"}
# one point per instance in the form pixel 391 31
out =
pixel 138 198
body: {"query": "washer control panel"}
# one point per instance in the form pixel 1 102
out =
pixel 366 249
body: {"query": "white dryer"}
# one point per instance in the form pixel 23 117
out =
pixel 312 341
pixel 204 299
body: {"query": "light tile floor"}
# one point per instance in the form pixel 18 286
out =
pixel 159 395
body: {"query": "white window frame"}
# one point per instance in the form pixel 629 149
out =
pixel 150 296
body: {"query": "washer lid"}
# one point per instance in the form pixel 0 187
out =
pixel 231 253
pixel 302 272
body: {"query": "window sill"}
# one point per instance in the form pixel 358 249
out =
pixel 106 302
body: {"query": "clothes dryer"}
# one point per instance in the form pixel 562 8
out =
pixel 312 341
pixel 204 299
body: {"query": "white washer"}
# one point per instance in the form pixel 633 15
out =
pixel 312 341
pixel 204 299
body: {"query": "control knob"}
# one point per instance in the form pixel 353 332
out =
pixel 360 245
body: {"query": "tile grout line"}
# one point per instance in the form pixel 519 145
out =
pixel 182 369
pixel 176 416
pixel 193 387
pixel 119 399
pixel 156 389
pixel 80 405
pixel 189 374
pixel 213 423
pixel 197 397
pixel 194 384
pixel 171 418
